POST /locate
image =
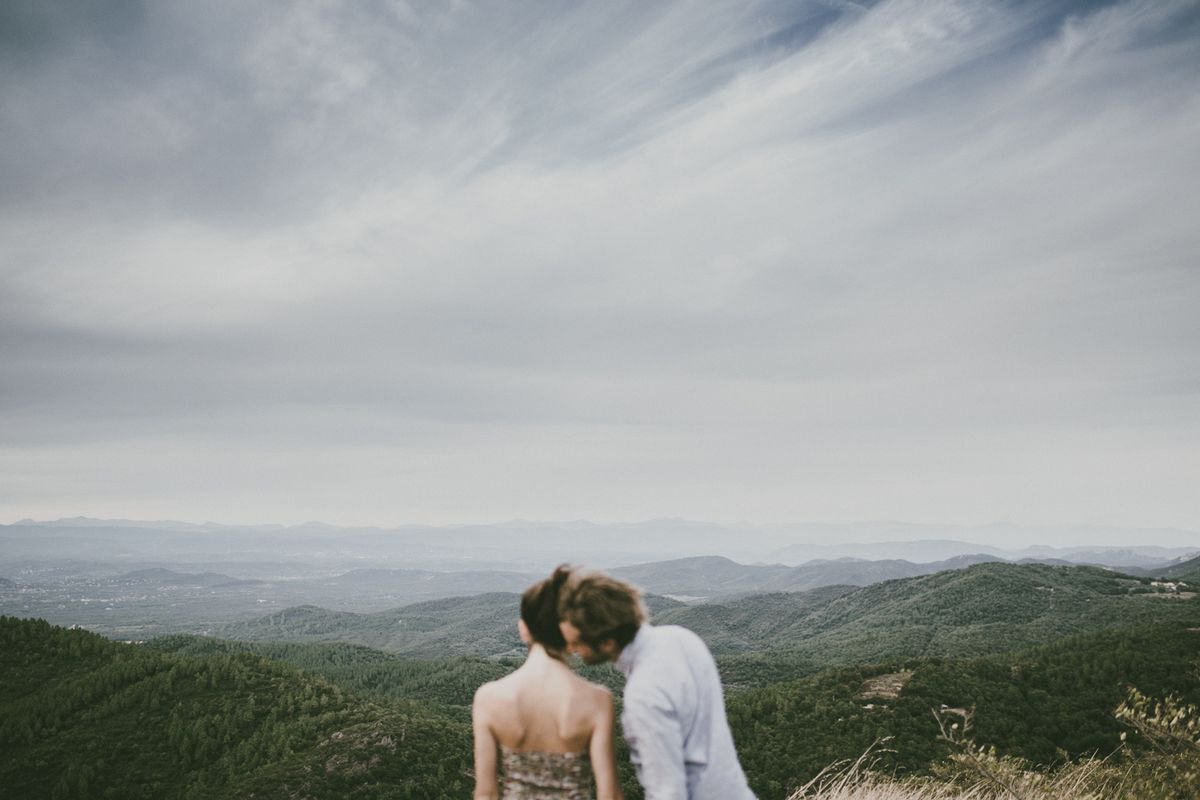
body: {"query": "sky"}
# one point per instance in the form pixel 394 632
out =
pixel 447 262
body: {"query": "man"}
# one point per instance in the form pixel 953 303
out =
pixel 674 710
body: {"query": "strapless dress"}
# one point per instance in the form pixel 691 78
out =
pixel 536 775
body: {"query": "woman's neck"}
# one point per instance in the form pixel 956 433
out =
pixel 540 656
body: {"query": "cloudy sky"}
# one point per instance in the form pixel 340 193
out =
pixel 388 262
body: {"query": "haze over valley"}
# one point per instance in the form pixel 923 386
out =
pixel 134 580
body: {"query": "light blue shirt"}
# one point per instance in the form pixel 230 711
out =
pixel 674 718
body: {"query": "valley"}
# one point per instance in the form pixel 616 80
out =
pixel 204 679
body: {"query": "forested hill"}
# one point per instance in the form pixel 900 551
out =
pixel 1044 705
pixel 480 625
pixel 84 717
pixel 450 682
pixel 714 576
pixel 1188 570
pixel 986 608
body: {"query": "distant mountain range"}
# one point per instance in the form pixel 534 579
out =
pixel 984 608
pixel 429 583
pixel 156 600
pixel 483 624
pixel 161 577
pixel 414 583
pixel 1183 569
pixel 537 546
pixel 713 576
pixel 935 550
pixel 480 625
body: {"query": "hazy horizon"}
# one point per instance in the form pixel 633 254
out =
pixel 999 536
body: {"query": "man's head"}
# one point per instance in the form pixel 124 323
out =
pixel 598 615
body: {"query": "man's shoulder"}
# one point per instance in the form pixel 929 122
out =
pixel 665 654
pixel 676 636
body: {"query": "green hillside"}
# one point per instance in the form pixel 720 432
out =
pixel 1044 705
pixel 715 576
pixel 987 608
pixel 449 683
pixel 752 623
pixel 482 625
pixel 300 708
pixel 83 717
pixel 1185 570
pixel 185 717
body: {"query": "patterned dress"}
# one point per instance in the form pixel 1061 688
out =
pixel 534 775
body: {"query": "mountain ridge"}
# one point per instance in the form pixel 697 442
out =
pixel 981 609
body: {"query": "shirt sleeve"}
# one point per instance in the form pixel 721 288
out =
pixel 655 737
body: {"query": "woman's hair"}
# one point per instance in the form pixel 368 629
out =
pixel 539 609
pixel 601 607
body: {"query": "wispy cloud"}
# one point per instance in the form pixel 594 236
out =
pixel 437 261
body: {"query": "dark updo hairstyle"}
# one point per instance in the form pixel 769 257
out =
pixel 539 610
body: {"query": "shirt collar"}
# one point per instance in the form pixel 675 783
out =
pixel 629 653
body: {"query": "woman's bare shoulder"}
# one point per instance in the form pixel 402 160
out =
pixel 494 691
pixel 599 705
pixel 485 693
pixel 596 694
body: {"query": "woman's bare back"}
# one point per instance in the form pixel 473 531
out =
pixel 554 732
pixel 544 707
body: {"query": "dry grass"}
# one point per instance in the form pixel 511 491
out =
pixel 874 788
pixel 855 781
pixel 1170 772
pixel 1005 779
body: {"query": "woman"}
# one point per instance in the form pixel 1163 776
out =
pixel 553 729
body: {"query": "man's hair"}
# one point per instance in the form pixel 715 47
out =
pixel 601 607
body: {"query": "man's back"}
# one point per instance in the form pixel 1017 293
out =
pixel 674 718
